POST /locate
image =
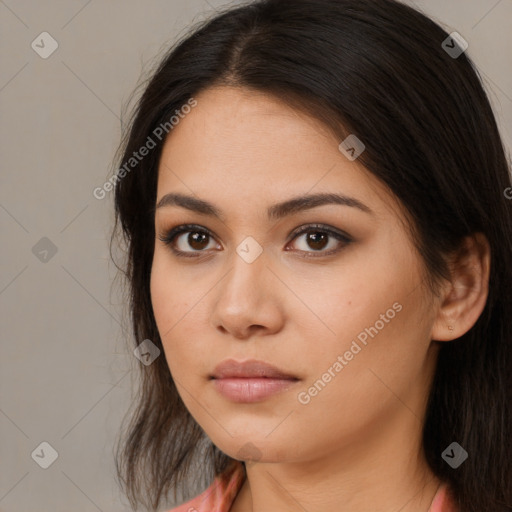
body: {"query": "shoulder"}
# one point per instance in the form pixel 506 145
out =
pixel 219 496
pixel 443 501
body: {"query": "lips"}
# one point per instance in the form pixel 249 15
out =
pixel 250 381
pixel 249 369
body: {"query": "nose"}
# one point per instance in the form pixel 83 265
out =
pixel 249 300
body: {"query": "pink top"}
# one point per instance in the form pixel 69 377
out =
pixel 222 493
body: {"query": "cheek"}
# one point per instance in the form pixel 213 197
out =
pixel 379 320
pixel 173 307
pixel 165 294
pixel 361 299
pixel 173 295
pixel 375 379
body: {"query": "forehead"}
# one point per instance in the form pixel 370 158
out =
pixel 238 145
pixel 234 125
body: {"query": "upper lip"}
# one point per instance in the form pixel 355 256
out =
pixel 248 369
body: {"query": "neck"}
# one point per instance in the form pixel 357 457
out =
pixel 383 470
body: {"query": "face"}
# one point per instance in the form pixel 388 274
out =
pixel 329 293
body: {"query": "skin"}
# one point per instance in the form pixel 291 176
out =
pixel 356 446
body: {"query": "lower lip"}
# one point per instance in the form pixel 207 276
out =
pixel 247 390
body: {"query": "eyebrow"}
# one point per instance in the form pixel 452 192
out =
pixel 274 212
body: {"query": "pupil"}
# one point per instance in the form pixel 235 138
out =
pixel 197 240
pixel 317 240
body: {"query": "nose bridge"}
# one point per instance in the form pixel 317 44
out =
pixel 245 282
pixel 246 295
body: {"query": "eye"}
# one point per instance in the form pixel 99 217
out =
pixel 196 238
pixel 315 238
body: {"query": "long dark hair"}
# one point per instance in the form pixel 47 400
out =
pixel 376 69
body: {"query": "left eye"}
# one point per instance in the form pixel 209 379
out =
pixel 315 239
pixel 318 238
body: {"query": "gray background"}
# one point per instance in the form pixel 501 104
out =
pixel 65 375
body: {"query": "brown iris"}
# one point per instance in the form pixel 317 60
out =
pixel 317 240
pixel 198 240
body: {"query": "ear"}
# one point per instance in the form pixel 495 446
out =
pixel 463 298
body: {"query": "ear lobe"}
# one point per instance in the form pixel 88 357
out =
pixel 463 298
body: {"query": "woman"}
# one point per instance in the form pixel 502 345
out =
pixel 319 241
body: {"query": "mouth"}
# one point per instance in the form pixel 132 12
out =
pixel 250 381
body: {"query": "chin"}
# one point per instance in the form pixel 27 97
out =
pixel 255 449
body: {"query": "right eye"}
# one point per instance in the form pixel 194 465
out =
pixel 197 238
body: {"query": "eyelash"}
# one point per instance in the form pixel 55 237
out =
pixel 168 238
